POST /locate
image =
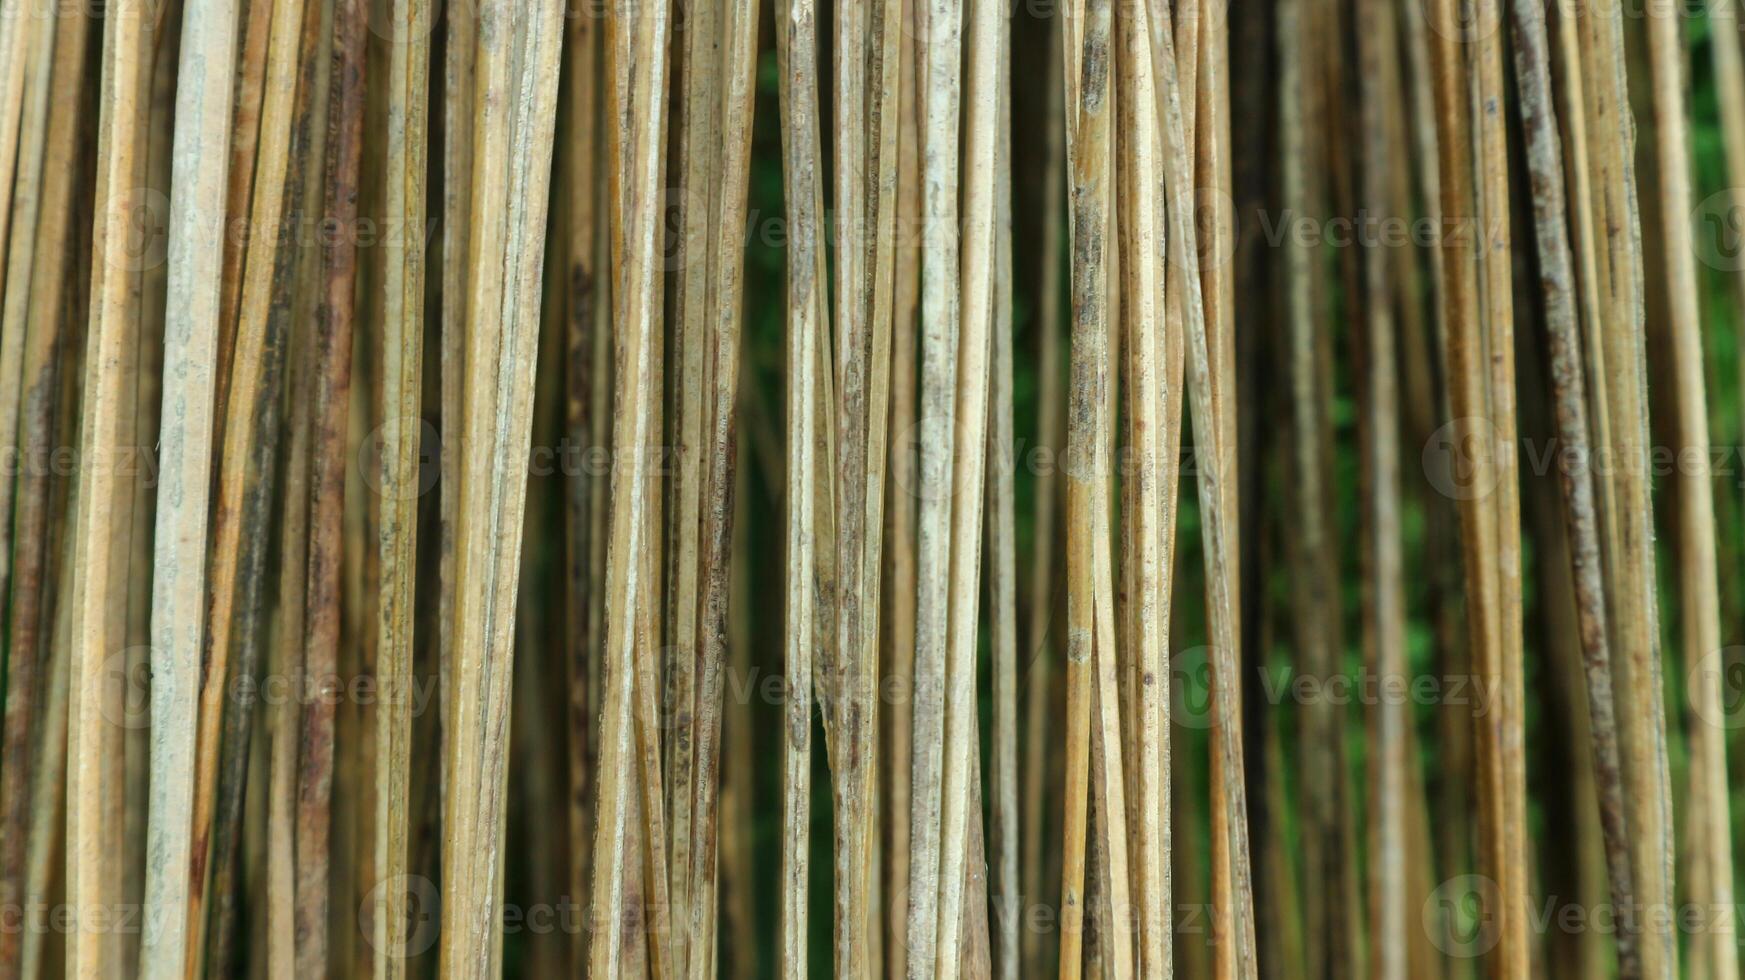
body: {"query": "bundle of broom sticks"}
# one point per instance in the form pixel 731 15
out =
pixel 405 406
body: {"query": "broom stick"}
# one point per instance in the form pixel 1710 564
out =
pixel 1713 951
pixel 103 516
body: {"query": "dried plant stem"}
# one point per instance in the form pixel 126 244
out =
pixel 902 557
pixel 190 338
pixel 1385 613
pixel 969 463
pixel 1615 343
pixel 796 37
pixel 402 370
pixel 30 326
pixel 23 137
pixel 938 69
pixel 1141 190
pixel 720 465
pixel 698 163
pixel 633 237
pixel 515 125
pixel 1545 171
pixel 104 516
pixel 1714 952
pixel 1206 377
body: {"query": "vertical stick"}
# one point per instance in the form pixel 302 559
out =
pixel 1385 612
pixel 403 369
pixel 99 539
pixel 633 238
pixel 797 54
pixel 190 338
pixel 1545 170
pixel 1714 952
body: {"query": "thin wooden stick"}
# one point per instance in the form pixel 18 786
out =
pixel 1545 169
pixel 937 71
pixel 1385 607
pixel 515 127
pixel 898 656
pixel 633 238
pixel 796 35
pixel 969 463
pixel 1714 953
pixel 402 369
pixel 246 122
pixel 1141 192
pixel 190 338
pixel 26 354
pixel 22 143
pixel 99 540
pixel 1216 520
pixel 719 495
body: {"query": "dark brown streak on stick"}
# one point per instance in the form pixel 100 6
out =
pixel 331 359
pixel 1557 278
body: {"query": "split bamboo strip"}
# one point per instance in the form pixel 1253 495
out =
pixel 248 445
pixel 190 337
pixel 938 68
pixel 1144 245
pixel 719 493
pixel 633 238
pixel 969 463
pixel 1385 614
pixel 23 163
pixel 796 37
pixel 1616 349
pixel 99 542
pixel 330 362
pixel 23 349
pixel 1219 543
pixel 899 625
pixel 1713 951
pixel 1007 887
pixel 698 165
pixel 402 368
pixel 1545 171
pixel 516 134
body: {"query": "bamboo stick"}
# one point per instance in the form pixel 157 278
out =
pixel 719 494
pixel 1714 953
pixel 22 147
pixel 969 462
pixel 1545 165
pixel 1141 191
pixel 898 657
pixel 938 83
pixel 1616 349
pixel 633 237
pixel 199 172
pixel 31 326
pixel 1385 614
pixel 797 54
pixel 402 366
pixel 516 136
pixel 99 542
